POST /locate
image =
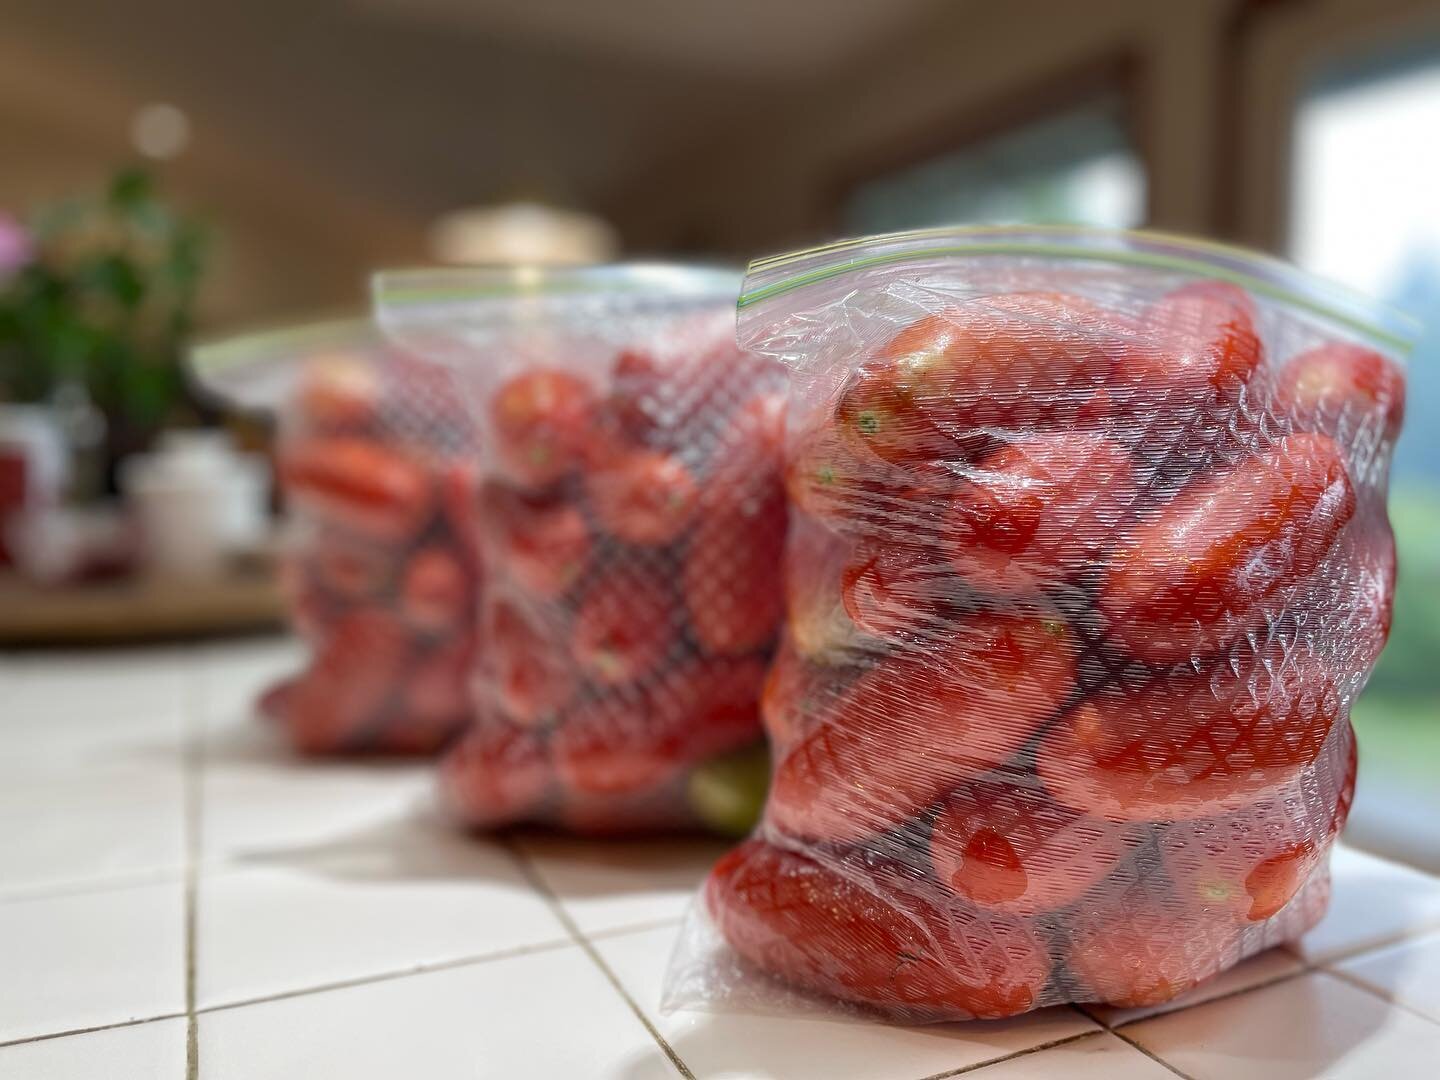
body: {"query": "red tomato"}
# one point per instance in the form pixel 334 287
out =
pixel 1251 863
pixel 636 813
pixel 644 497
pixel 828 480
pixel 748 451
pixel 1346 797
pixel 914 726
pixel 712 706
pixel 624 626
pixel 637 400
pixel 1341 390
pixel 353 567
pixel 760 423
pixel 1219 292
pixel 888 588
pixel 437 694
pixel 337 705
pixel 526 668
pixel 615 745
pixel 674 397
pixel 1005 845
pixel 1195 347
pixel 822 474
pixel 459 495
pixel 1194 385
pixel 874 413
pixel 1193 744
pixel 1228 869
pixel 816 621
pixel 274 702
pixel 1007 361
pixel 635 740
pixel 1040 512
pixel 541 421
pixel 436 594
pixel 1195 574
pixel 497 775
pixel 1374 594
pixel 732 580
pixel 873 936
pixel 1133 958
pixel 1348 605
pixel 796 693
pixel 338 393
pixel 311 608
pixel 542 544
pixel 824 477
pixel 359 484
pixel 428 405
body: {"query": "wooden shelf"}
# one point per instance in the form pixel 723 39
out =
pixel 141 608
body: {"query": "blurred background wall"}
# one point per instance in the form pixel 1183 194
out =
pixel 292 235
pixel 334 130
pixel 326 136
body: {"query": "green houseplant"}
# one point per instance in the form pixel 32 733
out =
pixel 100 308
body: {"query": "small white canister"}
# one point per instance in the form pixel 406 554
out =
pixel 196 502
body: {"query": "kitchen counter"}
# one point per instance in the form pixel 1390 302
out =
pixel 181 898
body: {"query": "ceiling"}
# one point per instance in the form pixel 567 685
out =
pixel 425 105
pixel 740 38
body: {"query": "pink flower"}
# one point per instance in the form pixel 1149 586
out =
pixel 16 247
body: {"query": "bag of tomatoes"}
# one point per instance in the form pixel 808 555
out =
pixel 1088 562
pixel 375 463
pixel 632 517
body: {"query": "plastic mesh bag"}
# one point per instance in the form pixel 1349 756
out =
pixel 375 463
pixel 632 517
pixel 1089 560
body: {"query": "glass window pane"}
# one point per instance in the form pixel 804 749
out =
pixel 1365 212
pixel 1074 168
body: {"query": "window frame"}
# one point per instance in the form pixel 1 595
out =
pixel 1279 48
pixel 1283 49
pixel 1115 75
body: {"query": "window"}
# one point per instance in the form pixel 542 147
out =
pixel 1365 213
pixel 1075 168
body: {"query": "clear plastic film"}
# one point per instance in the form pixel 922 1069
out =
pixel 631 515
pixel 1088 560
pixel 375 462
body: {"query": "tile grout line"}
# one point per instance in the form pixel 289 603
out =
pixel 129 879
pixel 1424 929
pixel 1389 999
pixel 472 960
pixel 1308 967
pixel 1150 1054
pixel 542 887
pixel 1275 981
pixel 47 1036
pixel 965 1070
pixel 193 776
pixel 634 928
pixel 550 945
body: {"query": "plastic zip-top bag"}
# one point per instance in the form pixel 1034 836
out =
pixel 375 462
pixel 1088 561
pixel 632 518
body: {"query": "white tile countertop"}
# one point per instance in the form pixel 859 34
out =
pixel 179 898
